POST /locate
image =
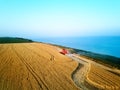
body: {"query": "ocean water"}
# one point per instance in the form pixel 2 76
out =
pixel 103 45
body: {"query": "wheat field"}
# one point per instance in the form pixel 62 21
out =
pixel 102 78
pixel 35 66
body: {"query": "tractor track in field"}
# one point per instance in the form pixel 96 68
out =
pixel 52 56
pixel 79 74
pixel 30 69
pixel 35 67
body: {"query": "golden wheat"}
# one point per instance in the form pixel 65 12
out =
pixel 35 66
pixel 103 79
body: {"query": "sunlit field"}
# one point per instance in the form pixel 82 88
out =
pixel 35 67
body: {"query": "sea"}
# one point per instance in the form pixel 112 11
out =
pixel 108 45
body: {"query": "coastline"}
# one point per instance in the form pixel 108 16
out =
pixel 107 60
pixel 90 65
pixel 107 45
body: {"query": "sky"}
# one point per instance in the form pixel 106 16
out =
pixel 59 18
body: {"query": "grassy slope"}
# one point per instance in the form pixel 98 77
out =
pixel 25 62
pixel 35 66
pixel 13 40
pixel 103 59
pixel 100 58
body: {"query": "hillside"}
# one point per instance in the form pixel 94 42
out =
pixel 35 66
pixel 13 40
pixel 100 58
pixel 40 66
pixel 90 75
pixel 107 60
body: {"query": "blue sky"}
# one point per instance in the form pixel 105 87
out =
pixel 59 18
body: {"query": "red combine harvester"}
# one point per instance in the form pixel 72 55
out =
pixel 64 51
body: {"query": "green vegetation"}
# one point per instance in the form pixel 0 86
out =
pixel 4 40
pixel 101 58
pixel 107 60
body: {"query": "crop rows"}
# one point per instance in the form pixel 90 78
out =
pixel 35 67
pixel 103 79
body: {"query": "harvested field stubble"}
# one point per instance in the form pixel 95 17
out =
pixel 35 66
pixel 103 79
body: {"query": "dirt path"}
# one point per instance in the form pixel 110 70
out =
pixel 38 66
pixel 80 73
pixel 90 75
